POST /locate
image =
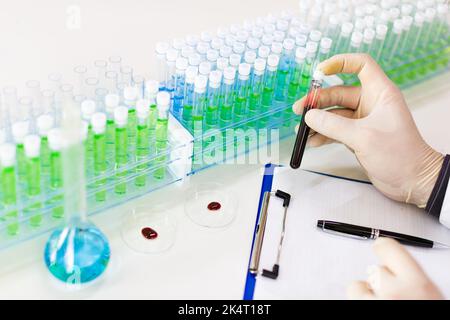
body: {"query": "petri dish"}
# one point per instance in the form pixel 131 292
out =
pixel 148 229
pixel 209 205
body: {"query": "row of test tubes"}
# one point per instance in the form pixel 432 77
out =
pixel 124 132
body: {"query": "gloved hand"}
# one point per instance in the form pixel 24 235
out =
pixel 376 124
pixel 399 276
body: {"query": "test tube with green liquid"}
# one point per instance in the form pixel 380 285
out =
pixel 200 101
pixel 270 81
pixel 130 95
pixel 20 130
pixel 98 122
pixel 377 46
pixel 150 93
pixel 256 89
pixel 32 144
pixel 162 124
pixel 56 172
pixel 9 187
pixel 284 67
pixel 142 140
pixel 212 111
pixel 242 89
pixel 310 61
pixel 296 76
pixel 226 106
pixel 88 108
pixel 188 100
pixel 44 123
pixel 121 156
pixel 112 101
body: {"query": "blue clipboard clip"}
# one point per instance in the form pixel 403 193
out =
pixel 258 237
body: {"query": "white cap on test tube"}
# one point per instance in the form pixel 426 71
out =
pixel 381 31
pixel 430 13
pixel 229 74
pixel 204 68
pixel 7 155
pixel 202 48
pixel 267 40
pixel 311 48
pixel 442 9
pixel 394 13
pixel 407 9
pixel 278 36
pixel 215 78
pixel 142 109
pixel 121 116
pixel 257 32
pixel 87 109
pixel 259 66
pixel 300 40
pixel 242 36
pixel 163 100
pixel 244 71
pixel 181 64
pixel 55 140
pixel 398 26
pixel 212 55
pixel 186 51
pixel 276 48
pixel 370 21
pixel 269 28
pixel 253 43
pixel 222 32
pixel 192 40
pixel 238 48
pixel 194 59
pixel 250 57
pixel 32 145
pixel 360 24
pixel 263 52
pixel 20 130
pixel 191 73
pixel 300 54
pixel 325 44
pixel 315 35
pixel 419 18
pixel 171 56
pixel 369 35
pixel 226 51
pixel 356 39
pixel 272 62
pixel 346 29
pixel 217 43
pixel 407 22
pixel 230 40
pixel 178 43
pixel 293 32
pixel 44 123
pixel 288 44
pixel 221 63
pixel 200 84
pixel 318 75
pixel 235 59
pixel 98 122
pixel 113 100
pixel 130 93
pixel 206 36
pixel 282 25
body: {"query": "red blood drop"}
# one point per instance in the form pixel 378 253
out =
pixel 149 233
pixel 214 206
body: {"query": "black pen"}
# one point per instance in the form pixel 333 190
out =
pixel 365 233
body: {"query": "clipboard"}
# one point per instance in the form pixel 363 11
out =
pixel 275 176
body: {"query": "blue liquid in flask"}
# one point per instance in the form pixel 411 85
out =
pixel 77 254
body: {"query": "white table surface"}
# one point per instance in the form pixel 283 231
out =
pixel 203 263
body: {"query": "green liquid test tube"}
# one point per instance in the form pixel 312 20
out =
pixel 296 76
pixel 240 104
pixel 163 104
pixel 130 95
pixel 284 68
pixel 56 172
pixel 226 106
pixel 87 110
pixel 311 49
pixel 9 187
pixel 44 124
pixel 142 141
pixel 376 49
pixel 98 122
pixel 111 103
pixel 121 159
pixel 19 131
pixel 188 100
pixel 200 102
pixel 257 85
pixel 151 90
pixel 343 40
pixel 212 111
pixel 33 188
pixel 270 80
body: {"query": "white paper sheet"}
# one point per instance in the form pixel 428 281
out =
pixel 317 265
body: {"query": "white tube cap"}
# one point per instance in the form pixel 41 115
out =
pixel 202 47
pixel 267 40
pixel 215 78
pixel 55 140
pixel 229 73
pixel 222 63
pixel 192 40
pixel 151 87
pixel 181 64
pixel 300 54
pixel 32 144
pixel 250 57
pixel 260 66
pixel 357 38
pixel 325 44
pixel 315 35
pixel 121 116
pixel 311 47
pixel 244 70
pixel 20 130
pixel 171 55
pixel 369 34
pixel 98 122
pixel 226 51
pixel 288 44
pixel 318 75
pixel 142 108
pixel 7 155
pixel 194 59
pixel 44 123
pixel 204 68
pixel 346 28
pixel 235 59
pixel 381 31
pixel 238 48
pixel 200 83
pixel 191 73
pixel 186 51
pixel 212 55
pixel 300 40
pixel 272 62
pixel 263 52
pixel 112 101
pixel 87 109
pixel 398 26
pixel 163 99
pixel 276 48
pixel 217 43
pixel 253 43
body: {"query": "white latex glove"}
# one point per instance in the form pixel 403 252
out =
pixel 376 124
pixel 399 277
